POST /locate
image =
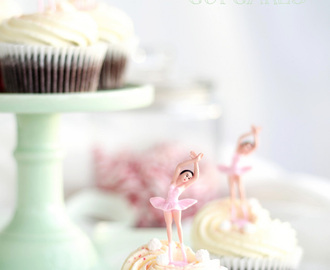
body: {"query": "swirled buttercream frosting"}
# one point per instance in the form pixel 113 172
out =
pixel 115 26
pixel 154 256
pixel 64 27
pixel 262 238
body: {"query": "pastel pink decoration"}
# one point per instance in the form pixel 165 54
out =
pixel 234 168
pixel 172 201
pixel 234 172
pixel 172 207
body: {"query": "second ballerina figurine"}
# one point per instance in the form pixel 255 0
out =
pixel 235 171
pixel 172 206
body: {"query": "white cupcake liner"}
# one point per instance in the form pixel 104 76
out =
pixel 46 69
pixel 291 262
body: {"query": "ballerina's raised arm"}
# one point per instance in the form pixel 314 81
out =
pixel 246 147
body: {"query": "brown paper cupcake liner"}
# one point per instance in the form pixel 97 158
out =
pixel 1 81
pixel 45 69
pixel 115 66
pixel 113 71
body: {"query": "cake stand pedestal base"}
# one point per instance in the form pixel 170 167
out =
pixel 40 236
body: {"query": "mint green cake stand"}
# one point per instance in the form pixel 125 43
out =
pixel 40 235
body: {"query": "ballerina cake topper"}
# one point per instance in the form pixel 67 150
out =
pixel 234 172
pixel 172 206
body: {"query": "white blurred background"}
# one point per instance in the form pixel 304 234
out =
pixel 268 64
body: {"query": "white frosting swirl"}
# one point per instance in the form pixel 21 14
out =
pixel 64 27
pixel 8 9
pixel 145 259
pixel 115 26
pixel 265 238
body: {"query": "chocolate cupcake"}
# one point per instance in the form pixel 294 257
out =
pixel 8 9
pixel 51 52
pixel 116 29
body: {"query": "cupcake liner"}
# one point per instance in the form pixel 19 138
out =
pixel 290 262
pixel 1 81
pixel 45 69
pixel 113 68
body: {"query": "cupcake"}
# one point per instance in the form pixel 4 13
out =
pixel 51 52
pixel 154 256
pixel 8 9
pixel 260 244
pixel 116 29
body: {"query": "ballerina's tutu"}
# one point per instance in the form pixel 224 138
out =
pixel 234 168
pixel 172 202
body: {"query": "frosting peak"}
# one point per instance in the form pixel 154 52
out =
pixel 114 25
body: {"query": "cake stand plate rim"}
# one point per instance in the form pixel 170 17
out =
pixel 128 97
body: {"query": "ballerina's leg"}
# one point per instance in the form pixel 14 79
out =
pixel 177 220
pixel 232 181
pixel 242 196
pixel 168 220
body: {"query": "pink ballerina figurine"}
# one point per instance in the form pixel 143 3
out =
pixel 172 206
pixel 234 171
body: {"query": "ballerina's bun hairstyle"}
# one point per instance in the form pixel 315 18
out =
pixel 246 142
pixel 187 171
